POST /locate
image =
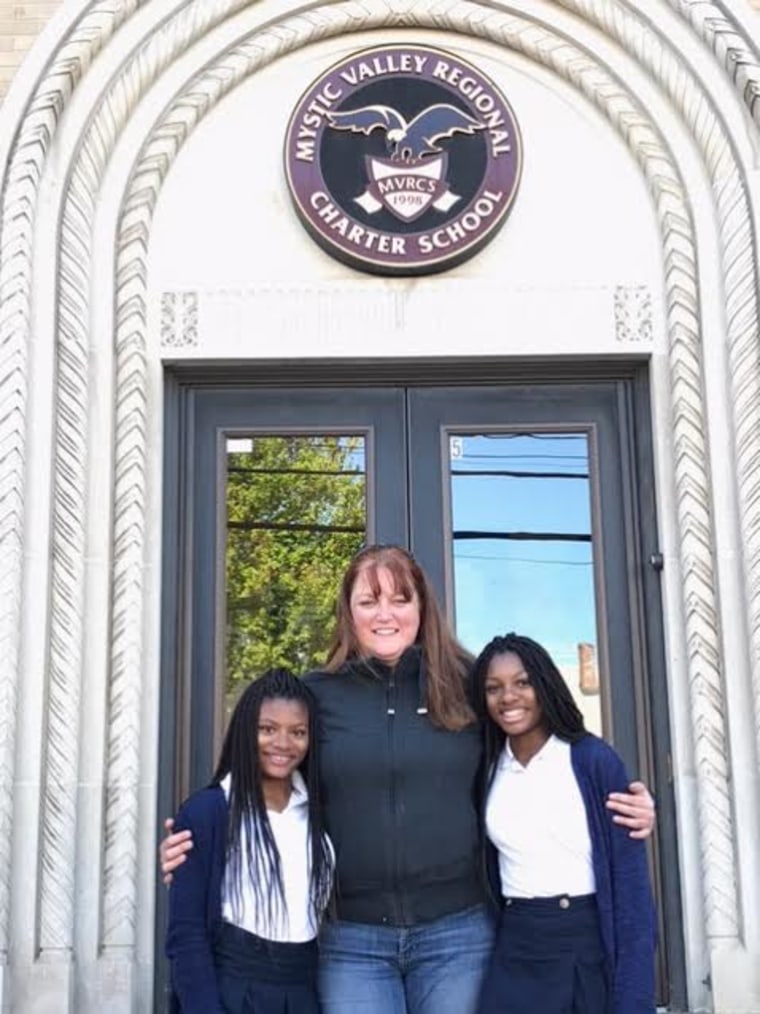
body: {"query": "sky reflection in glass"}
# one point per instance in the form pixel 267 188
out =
pixel 523 549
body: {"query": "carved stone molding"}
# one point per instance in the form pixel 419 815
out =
pixel 734 51
pixel 70 470
pixel 20 192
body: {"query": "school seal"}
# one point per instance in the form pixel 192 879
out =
pixel 403 160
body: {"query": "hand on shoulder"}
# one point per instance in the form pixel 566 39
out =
pixel 173 850
pixel 634 809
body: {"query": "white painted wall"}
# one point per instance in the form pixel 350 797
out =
pixel 580 229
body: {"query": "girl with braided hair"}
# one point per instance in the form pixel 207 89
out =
pixel 244 907
pixel 577 927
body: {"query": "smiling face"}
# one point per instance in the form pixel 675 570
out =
pixel 283 737
pixel 511 700
pixel 385 618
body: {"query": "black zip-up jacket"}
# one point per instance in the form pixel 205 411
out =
pixel 398 796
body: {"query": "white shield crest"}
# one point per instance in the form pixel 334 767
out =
pixel 407 188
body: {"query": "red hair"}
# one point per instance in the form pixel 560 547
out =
pixel 447 663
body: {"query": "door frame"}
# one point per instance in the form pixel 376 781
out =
pixel 183 381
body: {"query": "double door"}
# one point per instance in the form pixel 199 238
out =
pixel 530 507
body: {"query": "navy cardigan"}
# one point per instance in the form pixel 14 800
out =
pixel 627 916
pixel 195 904
pixel 623 891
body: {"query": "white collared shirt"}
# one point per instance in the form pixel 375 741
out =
pixel 536 818
pixel 290 829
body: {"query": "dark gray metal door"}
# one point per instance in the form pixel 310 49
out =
pixel 530 505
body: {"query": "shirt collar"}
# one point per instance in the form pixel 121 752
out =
pixel 509 762
pixel 299 795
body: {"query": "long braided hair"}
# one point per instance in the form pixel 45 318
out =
pixel 561 714
pixel 240 759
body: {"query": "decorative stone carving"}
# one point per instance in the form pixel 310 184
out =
pixel 179 319
pixel 633 314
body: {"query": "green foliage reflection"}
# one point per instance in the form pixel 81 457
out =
pixel 295 517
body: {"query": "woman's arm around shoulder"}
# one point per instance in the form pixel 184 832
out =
pixel 633 807
pixel 195 903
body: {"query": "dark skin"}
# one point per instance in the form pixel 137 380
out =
pixel 283 741
pixel 512 704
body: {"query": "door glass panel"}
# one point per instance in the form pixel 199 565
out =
pixel 522 543
pixel 296 512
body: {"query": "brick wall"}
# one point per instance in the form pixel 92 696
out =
pixel 21 21
pixel 20 24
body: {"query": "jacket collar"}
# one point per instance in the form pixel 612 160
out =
pixel 411 666
pixel 367 665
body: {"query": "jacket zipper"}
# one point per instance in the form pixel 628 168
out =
pixel 398 903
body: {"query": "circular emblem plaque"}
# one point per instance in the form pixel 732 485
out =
pixel 403 160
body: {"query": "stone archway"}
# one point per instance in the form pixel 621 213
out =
pixel 78 191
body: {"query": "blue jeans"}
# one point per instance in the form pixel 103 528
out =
pixel 432 968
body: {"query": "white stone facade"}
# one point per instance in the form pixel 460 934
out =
pixel 145 219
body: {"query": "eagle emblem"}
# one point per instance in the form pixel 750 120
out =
pixel 413 176
pixel 415 139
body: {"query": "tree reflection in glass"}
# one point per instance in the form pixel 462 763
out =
pixel 296 514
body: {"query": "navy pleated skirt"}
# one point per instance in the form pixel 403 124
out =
pixel 257 976
pixel 548 959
